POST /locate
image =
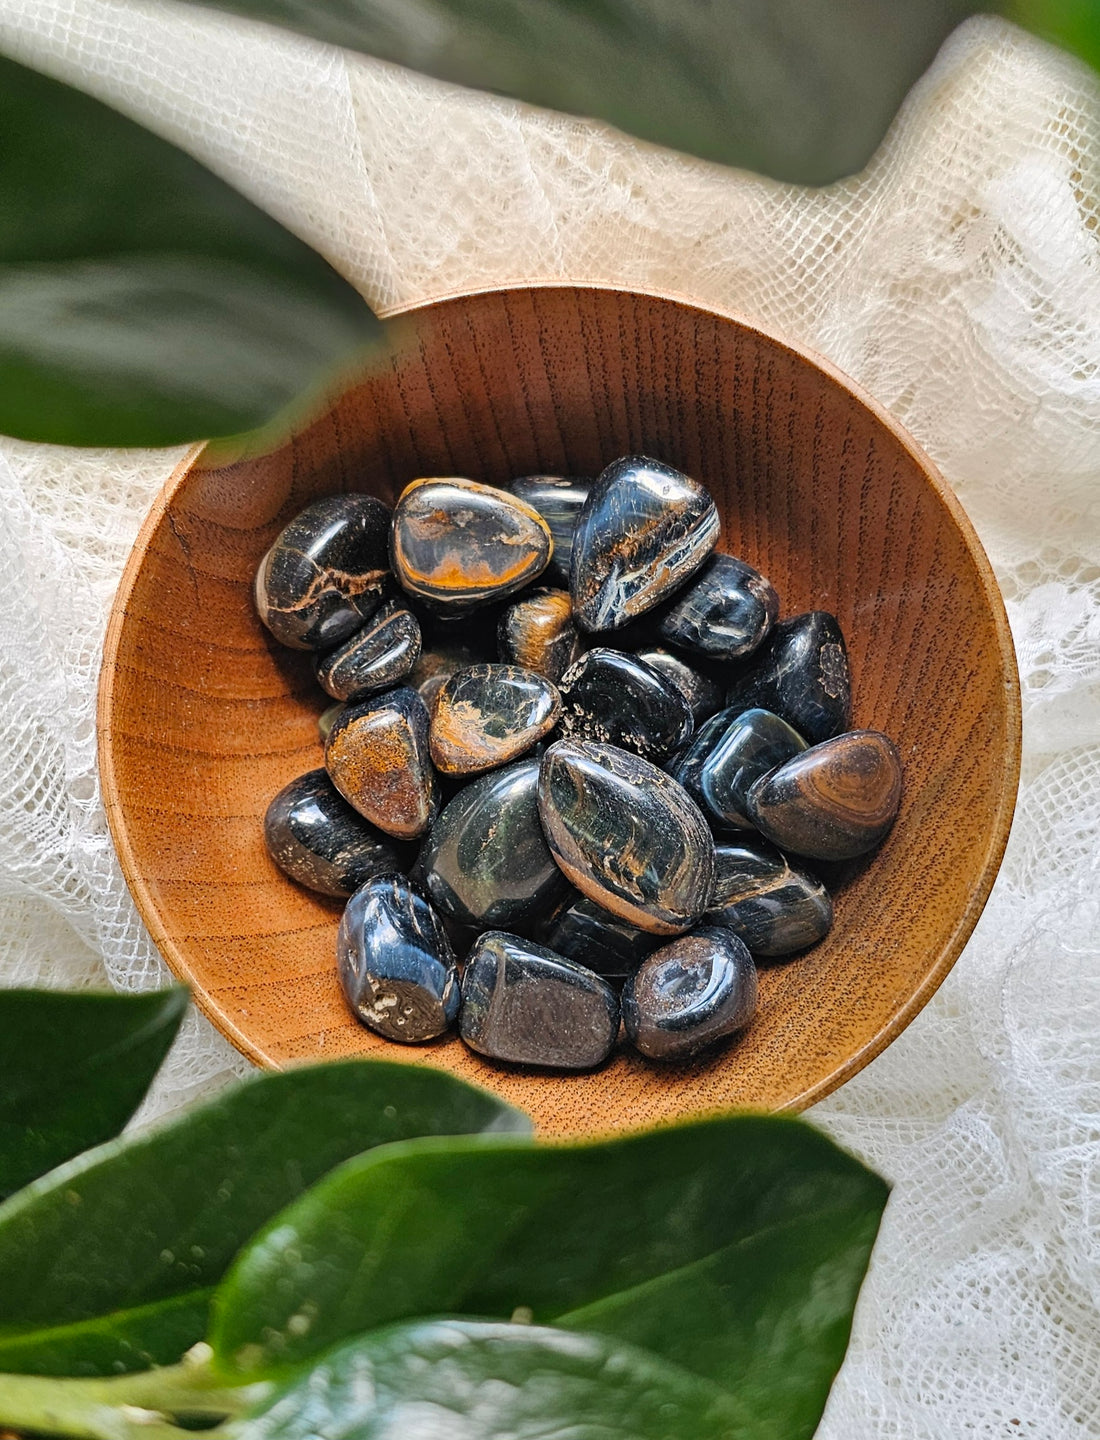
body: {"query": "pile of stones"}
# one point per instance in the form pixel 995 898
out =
pixel 588 787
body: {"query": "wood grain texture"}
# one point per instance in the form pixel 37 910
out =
pixel 202 717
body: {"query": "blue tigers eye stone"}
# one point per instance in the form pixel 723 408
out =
pixel 595 938
pixel 773 907
pixel 377 656
pixel 377 755
pixel 622 701
pixel 724 612
pixel 487 715
pixel 704 696
pixel 686 996
pixel 316 838
pixel 558 499
pixel 799 673
pixel 751 745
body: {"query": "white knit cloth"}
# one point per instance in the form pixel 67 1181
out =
pixel 959 280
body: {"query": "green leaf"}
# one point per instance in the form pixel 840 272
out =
pixel 1074 24
pixel 157 1217
pixel 142 300
pixel 73 1069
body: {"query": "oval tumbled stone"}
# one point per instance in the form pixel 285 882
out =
pixel 457 544
pixel 753 743
pixel 686 996
pixel 800 673
pixel 705 697
pixel 774 908
pixel 724 612
pixel 598 940
pixel 835 800
pixel 316 838
pixel 487 715
pixel 377 756
pixel 626 835
pixel 375 657
pixel 558 499
pixel 537 632
pixel 619 699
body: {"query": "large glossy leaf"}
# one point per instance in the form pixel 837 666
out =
pixel 73 1069
pixel 144 1225
pixel 142 300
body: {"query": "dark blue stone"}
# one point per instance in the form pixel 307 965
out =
pixel 595 938
pixel 774 908
pixel 686 996
pixel 558 499
pixel 620 700
pixel 723 613
pixel 379 655
pixel 799 673
pixel 755 742
pixel 687 763
pixel 704 696
pixel 316 838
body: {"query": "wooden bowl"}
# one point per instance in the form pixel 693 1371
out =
pixel 203 717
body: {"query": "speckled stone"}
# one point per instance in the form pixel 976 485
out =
pixel 626 835
pixel 375 658
pixel 457 544
pixel 525 1005
pixel 558 499
pixel 316 838
pixel 487 715
pixel 377 756
pixel 395 962
pixel 704 696
pixel 724 612
pixel 753 743
pixel 325 573
pixel 620 700
pixel 690 994
pixel 800 673
pixel 593 937
pixel 643 531
pixel 537 632
pixel 836 800
pixel 767 903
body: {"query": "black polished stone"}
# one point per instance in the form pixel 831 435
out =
pixel 620 700
pixel 593 937
pixel 443 658
pixel 316 838
pixel 486 862
pixel 774 908
pixel 487 715
pixel 687 763
pixel 686 996
pixel 379 655
pixel 377 755
pixel 705 697
pixel 537 632
pixel 800 673
pixel 626 835
pixel 643 531
pixel 724 612
pixel 326 572
pixel 524 1004
pixel 558 499
pixel 395 963
pixel 753 743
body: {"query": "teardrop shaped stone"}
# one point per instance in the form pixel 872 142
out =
pixel 395 962
pixel 753 743
pixel 767 903
pixel 724 612
pixel 689 994
pixel 326 572
pixel 377 756
pixel 800 673
pixel 626 835
pixel 558 499
pixel 537 632
pixel 523 1004
pixel 316 838
pixel 457 544
pixel 644 529
pixel 486 862
pixel 620 700
pixel 376 657
pixel 598 940
pixel 835 800
pixel 705 697
pixel 487 715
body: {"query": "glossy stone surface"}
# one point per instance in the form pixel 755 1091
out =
pixel 395 963
pixel 375 657
pixel 558 499
pixel 523 1004
pixel 626 835
pixel 643 531
pixel 325 573
pixel 316 838
pixel 620 700
pixel 436 663
pixel 457 544
pixel 800 673
pixel 327 719
pixel 835 800
pixel 537 632
pixel 723 613
pixel 377 756
pixel 773 907
pixel 686 765
pixel 753 743
pixel 486 862
pixel 487 715
pixel 704 696
pixel 686 996
pixel 593 937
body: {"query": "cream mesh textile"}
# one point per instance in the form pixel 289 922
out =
pixel 959 280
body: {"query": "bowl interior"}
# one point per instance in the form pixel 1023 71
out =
pixel 203 717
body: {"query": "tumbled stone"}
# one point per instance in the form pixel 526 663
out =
pixel 834 801
pixel 723 612
pixel 328 718
pixel 593 937
pixel 325 573
pixel 753 743
pixel 558 499
pixel 377 756
pixel 537 632
pixel 689 994
pixel 800 673
pixel 457 544
pixel 686 765
pixel 486 862
pixel 704 696
pixel 774 908
pixel 375 658
pixel 523 1004
pixel 626 835
pixel 487 715
pixel 436 663
pixel 316 838
pixel 643 531
pixel 620 700
pixel 395 962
